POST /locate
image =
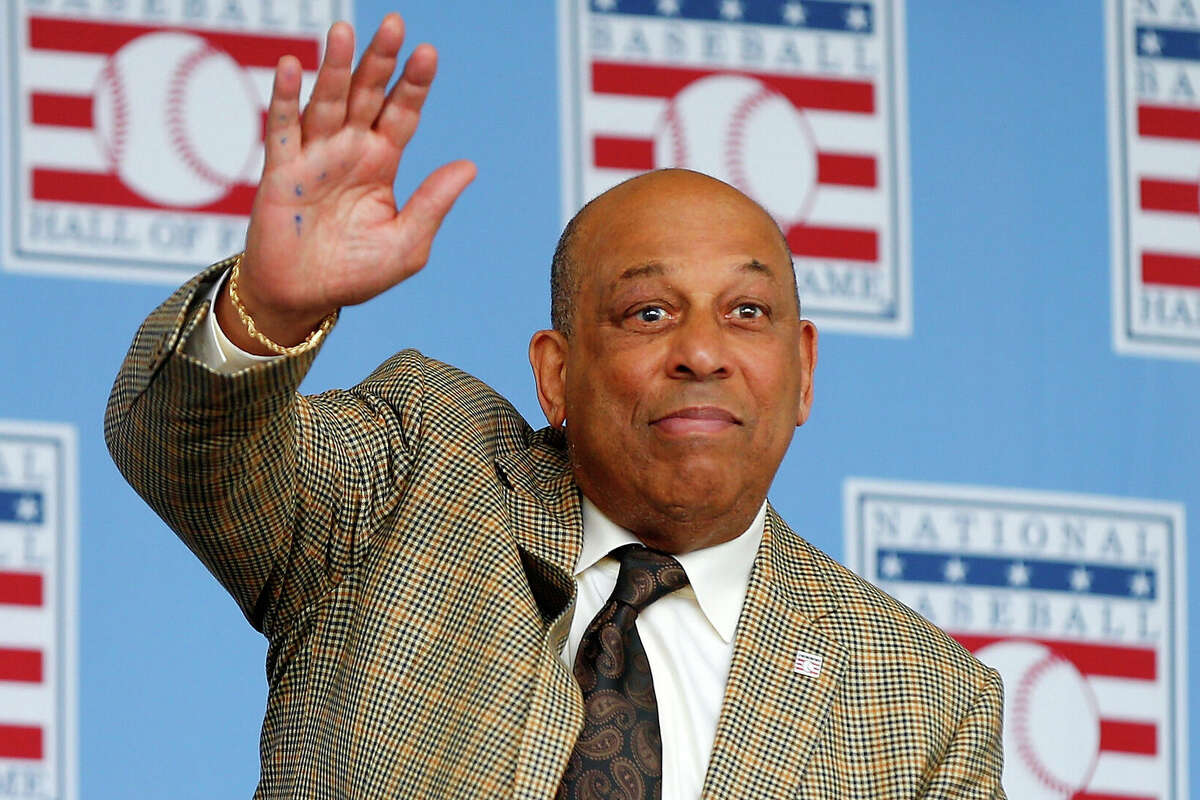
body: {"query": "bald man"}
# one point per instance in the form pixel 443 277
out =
pixel 460 606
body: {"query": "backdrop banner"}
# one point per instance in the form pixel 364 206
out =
pixel 799 105
pixel 1078 601
pixel 38 585
pixel 993 212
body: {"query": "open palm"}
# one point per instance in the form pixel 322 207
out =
pixel 325 231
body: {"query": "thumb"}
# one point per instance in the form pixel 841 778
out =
pixel 419 220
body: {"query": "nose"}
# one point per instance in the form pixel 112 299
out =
pixel 699 350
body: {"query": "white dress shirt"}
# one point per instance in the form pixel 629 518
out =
pixel 687 635
pixel 209 345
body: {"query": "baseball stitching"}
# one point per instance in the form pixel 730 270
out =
pixel 678 141
pixel 177 125
pixel 1021 734
pixel 735 145
pixel 735 136
pixel 114 148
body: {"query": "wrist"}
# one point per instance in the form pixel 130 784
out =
pixel 258 328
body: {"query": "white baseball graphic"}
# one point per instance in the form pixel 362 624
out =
pixel 737 129
pixel 178 119
pixel 1051 721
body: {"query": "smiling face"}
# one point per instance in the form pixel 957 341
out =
pixel 688 366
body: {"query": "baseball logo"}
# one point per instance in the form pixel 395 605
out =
pixel 178 120
pixel 736 128
pixel 1051 721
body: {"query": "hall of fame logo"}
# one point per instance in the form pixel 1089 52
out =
pixel 801 105
pixel 37 612
pixel 135 142
pixel 1078 602
pixel 1154 174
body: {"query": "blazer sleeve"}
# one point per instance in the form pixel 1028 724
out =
pixel 974 761
pixel 278 494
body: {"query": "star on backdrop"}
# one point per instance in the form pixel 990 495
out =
pixel 891 566
pixel 1081 579
pixel 857 18
pixel 26 508
pixel 1150 44
pixel 956 570
pixel 793 13
pixel 1018 574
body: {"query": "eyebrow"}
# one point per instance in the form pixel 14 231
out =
pixel 754 265
pixel 651 270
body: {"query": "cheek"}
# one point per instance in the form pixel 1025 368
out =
pixel 613 386
pixel 776 391
pixel 609 403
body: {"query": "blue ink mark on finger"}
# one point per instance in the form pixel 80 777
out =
pixel 299 190
pixel 283 140
pixel 299 220
pixel 321 177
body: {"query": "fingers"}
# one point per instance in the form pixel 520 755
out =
pixel 368 87
pixel 422 215
pixel 399 116
pixel 326 109
pixel 283 113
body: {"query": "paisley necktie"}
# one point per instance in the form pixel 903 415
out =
pixel 619 752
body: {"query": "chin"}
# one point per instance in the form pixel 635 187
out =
pixel 693 501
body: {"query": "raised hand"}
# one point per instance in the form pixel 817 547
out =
pixel 325 231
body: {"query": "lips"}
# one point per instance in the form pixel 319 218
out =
pixel 696 420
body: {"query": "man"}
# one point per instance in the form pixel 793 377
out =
pixel 426 567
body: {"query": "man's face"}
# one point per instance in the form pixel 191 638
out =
pixel 688 368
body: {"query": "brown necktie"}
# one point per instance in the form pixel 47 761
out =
pixel 619 752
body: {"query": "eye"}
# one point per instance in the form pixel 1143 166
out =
pixel 650 314
pixel 748 311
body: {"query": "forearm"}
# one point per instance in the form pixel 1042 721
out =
pixel 182 435
pixel 277 493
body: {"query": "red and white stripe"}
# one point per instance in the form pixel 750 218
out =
pixel 70 163
pixel 22 666
pixel 1122 679
pixel 1170 202
pixel 841 113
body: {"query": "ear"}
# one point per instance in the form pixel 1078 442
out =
pixel 548 357
pixel 808 363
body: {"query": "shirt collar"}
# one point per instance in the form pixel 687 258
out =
pixel 719 575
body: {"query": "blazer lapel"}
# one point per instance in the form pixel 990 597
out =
pixel 547 520
pixel 783 677
pixel 544 507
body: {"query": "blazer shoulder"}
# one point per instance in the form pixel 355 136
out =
pixel 870 622
pixel 455 405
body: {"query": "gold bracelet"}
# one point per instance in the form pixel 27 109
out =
pixel 258 336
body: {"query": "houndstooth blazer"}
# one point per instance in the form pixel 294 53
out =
pixel 407 548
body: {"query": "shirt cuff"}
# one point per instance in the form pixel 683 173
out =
pixel 209 345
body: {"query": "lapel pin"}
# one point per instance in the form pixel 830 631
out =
pixel 808 664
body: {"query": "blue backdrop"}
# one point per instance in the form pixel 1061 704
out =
pixel 1008 379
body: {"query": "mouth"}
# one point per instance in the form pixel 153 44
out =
pixel 696 420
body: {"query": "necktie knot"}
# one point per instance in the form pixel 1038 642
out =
pixel 645 576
